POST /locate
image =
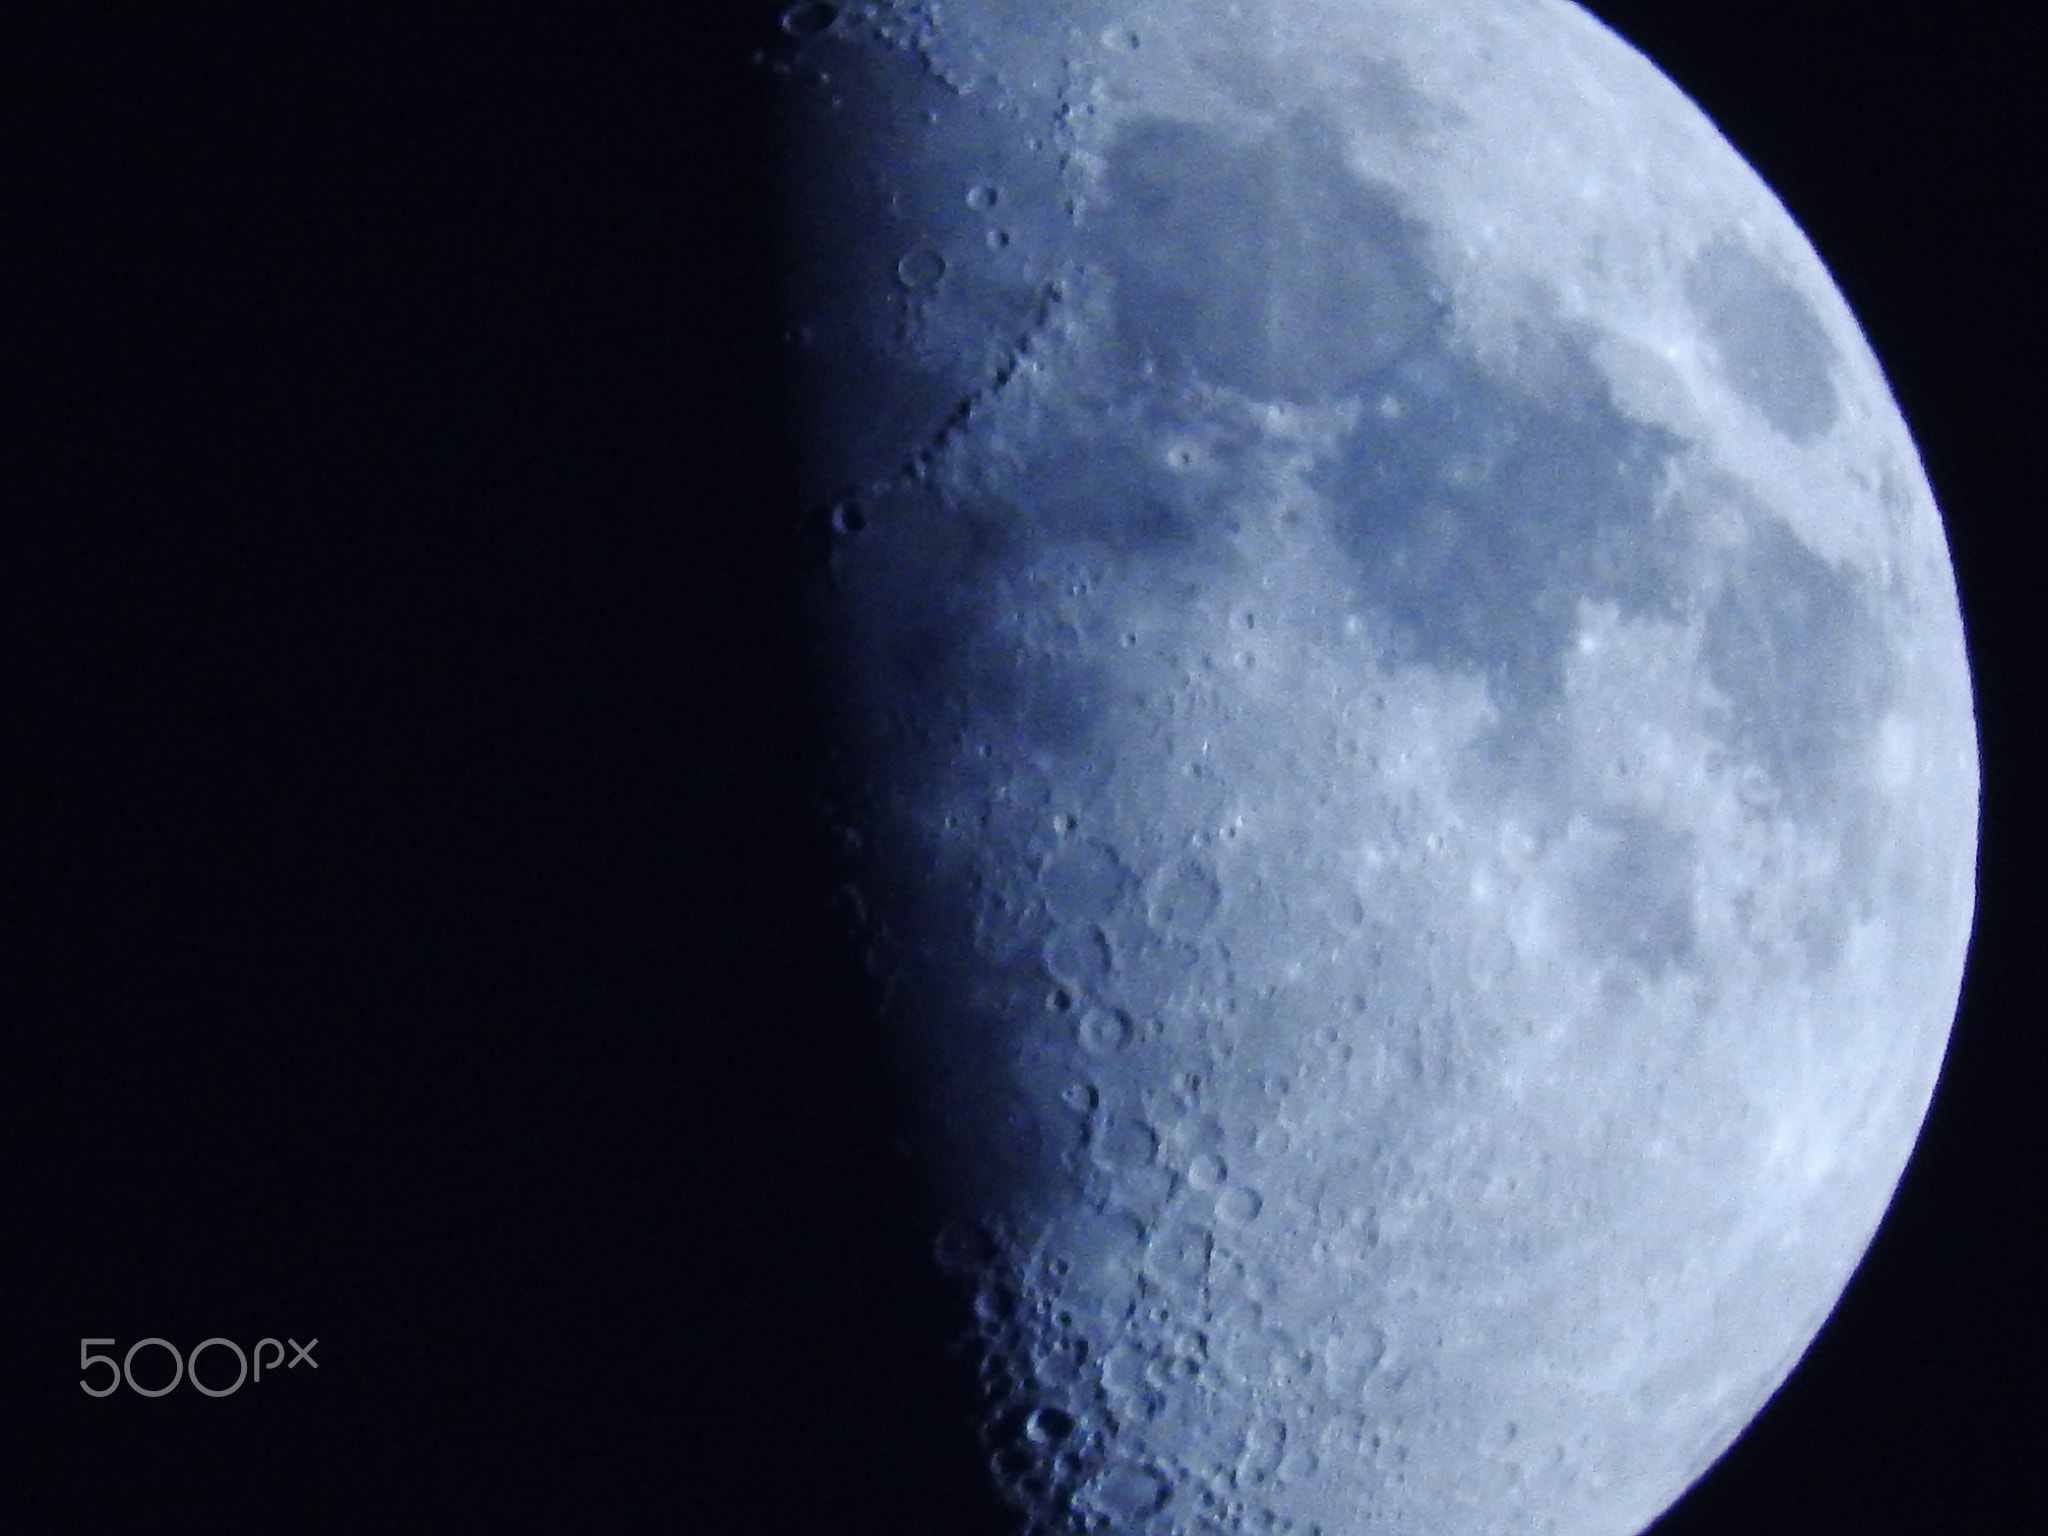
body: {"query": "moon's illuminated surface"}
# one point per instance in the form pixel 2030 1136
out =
pixel 1407 715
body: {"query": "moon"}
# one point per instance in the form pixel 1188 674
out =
pixel 1407 744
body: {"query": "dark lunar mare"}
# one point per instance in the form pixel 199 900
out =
pixel 1480 518
pixel 1805 665
pixel 1771 347
pixel 1265 267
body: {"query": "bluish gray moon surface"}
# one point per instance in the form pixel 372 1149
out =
pixel 1407 726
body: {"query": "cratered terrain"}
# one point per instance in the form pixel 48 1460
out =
pixel 1407 730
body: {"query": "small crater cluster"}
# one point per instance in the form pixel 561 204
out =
pixel 1141 1428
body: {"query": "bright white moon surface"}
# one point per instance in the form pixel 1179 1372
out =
pixel 1407 728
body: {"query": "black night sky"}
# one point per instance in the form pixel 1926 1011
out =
pixel 409 932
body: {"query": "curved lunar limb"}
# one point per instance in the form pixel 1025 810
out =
pixel 1407 716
